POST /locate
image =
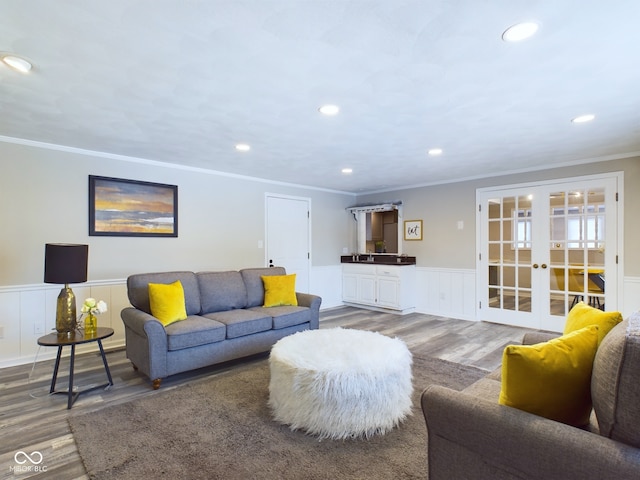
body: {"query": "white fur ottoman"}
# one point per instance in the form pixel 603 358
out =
pixel 340 383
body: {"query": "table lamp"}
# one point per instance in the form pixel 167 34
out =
pixel 65 263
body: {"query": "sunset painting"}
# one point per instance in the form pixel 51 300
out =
pixel 120 207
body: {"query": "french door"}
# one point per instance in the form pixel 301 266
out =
pixel 544 248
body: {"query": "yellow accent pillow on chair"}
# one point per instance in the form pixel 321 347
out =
pixel 583 315
pixel 552 379
pixel 279 290
pixel 167 302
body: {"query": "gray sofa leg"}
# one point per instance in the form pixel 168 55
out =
pixel 156 383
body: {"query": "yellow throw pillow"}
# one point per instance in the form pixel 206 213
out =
pixel 583 315
pixel 279 290
pixel 167 302
pixel 551 379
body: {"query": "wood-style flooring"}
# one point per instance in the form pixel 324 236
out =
pixel 31 420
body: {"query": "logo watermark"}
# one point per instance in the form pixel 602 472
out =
pixel 26 462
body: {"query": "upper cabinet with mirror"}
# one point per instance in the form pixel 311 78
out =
pixel 378 228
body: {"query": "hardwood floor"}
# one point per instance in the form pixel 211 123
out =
pixel 33 421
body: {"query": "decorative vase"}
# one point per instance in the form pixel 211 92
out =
pixel 90 325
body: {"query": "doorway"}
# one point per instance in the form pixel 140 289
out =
pixel 543 248
pixel 288 236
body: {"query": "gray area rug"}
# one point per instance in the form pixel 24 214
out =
pixel 221 428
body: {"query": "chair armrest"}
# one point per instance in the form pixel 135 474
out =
pixel 470 437
pixel 531 338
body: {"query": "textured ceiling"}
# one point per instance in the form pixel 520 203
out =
pixel 184 81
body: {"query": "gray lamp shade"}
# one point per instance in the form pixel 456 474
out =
pixel 65 263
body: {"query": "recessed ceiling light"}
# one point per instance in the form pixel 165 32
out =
pixel 329 109
pixel 519 31
pixel 17 63
pixel 347 170
pixel 435 151
pixel 243 147
pixel 583 118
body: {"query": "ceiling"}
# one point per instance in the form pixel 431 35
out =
pixel 183 82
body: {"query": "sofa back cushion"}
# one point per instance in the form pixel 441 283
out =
pixel 253 282
pixel 221 291
pixel 138 289
pixel 615 388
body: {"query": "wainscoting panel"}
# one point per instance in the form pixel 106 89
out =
pixel 446 292
pixel 326 282
pixel 28 312
pixel 631 292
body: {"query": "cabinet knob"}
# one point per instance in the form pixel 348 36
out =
pixel 535 265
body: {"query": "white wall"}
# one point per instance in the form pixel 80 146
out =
pixel 44 198
pixel 44 194
pixel 446 248
pixel 442 206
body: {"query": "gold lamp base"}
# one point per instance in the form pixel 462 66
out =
pixel 66 311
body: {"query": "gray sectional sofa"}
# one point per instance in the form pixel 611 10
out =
pixel 225 320
pixel 471 436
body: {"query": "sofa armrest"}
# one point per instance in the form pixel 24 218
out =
pixel 531 338
pixel 312 302
pixel 469 437
pixel 141 322
pixel 146 342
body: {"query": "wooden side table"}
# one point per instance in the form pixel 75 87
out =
pixel 75 338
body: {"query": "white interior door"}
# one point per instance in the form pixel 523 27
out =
pixel 542 250
pixel 288 237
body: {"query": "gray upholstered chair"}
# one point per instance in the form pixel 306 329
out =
pixel 471 436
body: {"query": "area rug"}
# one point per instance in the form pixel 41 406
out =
pixel 221 428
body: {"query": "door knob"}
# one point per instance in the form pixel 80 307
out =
pixel 535 265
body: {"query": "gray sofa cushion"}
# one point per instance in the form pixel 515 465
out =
pixel 286 316
pixel 220 291
pixel 253 282
pixel 138 289
pixel 615 388
pixel 242 322
pixel 194 331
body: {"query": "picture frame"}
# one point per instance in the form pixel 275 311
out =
pixel 132 208
pixel 413 230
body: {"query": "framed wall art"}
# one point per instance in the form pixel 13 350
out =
pixel 132 208
pixel 413 229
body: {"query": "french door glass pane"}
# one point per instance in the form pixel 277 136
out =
pixel 577 219
pixel 509 248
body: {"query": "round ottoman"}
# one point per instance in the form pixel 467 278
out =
pixel 340 383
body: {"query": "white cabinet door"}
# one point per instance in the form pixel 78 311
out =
pixel 389 292
pixel 367 291
pixel 385 286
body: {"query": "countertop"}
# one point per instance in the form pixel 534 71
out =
pixel 378 259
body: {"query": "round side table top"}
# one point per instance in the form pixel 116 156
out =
pixel 74 338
